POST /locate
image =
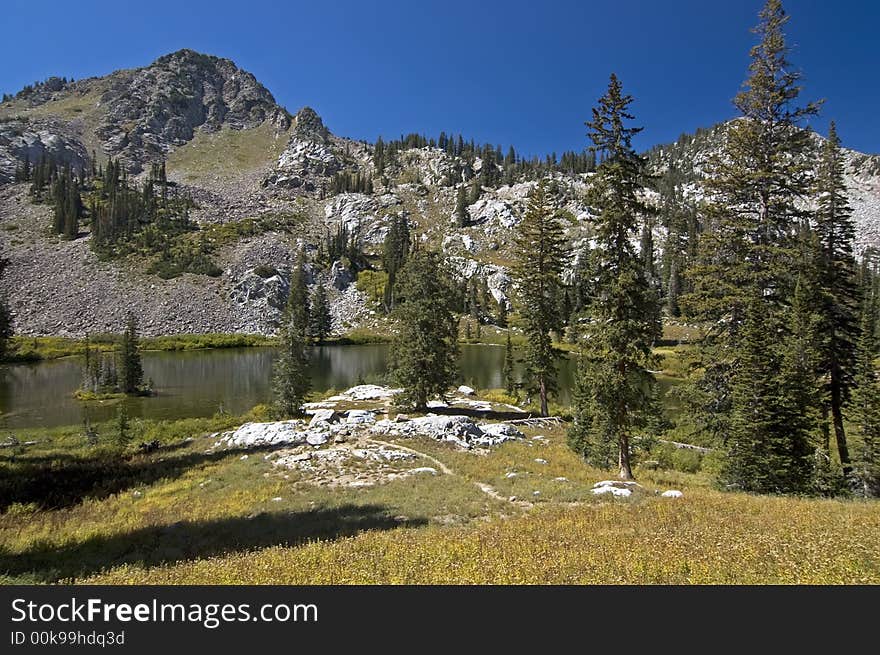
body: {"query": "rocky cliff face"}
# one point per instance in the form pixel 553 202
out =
pixel 152 109
pixel 31 140
pixel 309 157
pixel 248 164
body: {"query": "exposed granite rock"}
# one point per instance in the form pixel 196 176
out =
pixel 149 110
pixel 308 156
pixel 34 139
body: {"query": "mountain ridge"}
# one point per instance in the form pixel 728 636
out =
pixel 276 182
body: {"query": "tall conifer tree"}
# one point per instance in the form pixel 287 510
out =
pixel 615 395
pixel 290 372
pixel 838 285
pixel 131 372
pixel 747 268
pixel 320 321
pixel 864 408
pixel 539 251
pixel 425 349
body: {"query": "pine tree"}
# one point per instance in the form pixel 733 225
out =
pixel 755 186
pixel 379 156
pixel 863 409
pixel 395 250
pixel 290 372
pixel 837 280
pixel 297 309
pixel 320 315
pixel 5 319
pixel 73 208
pixel 122 435
pixel 769 446
pixel 801 388
pixel 539 249
pixel 747 264
pixel 462 218
pixel 426 347
pixel 131 373
pixel 615 394
pixel 508 370
pixel 5 327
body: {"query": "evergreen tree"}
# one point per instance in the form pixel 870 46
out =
pixel 290 372
pixel 320 315
pixel 838 285
pixel 755 186
pixel 539 249
pixel 747 266
pixel 131 373
pixel 296 313
pixel 5 327
pixel 379 156
pixel 768 449
pixel 123 434
pixel 508 370
pixel 426 347
pixel 5 319
pixel 864 407
pixel 395 250
pixel 462 218
pixel 615 392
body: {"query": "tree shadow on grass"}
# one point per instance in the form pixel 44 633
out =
pixel 165 544
pixel 56 482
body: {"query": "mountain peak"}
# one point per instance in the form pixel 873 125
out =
pixel 179 93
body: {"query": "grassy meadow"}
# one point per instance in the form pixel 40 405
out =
pixel 74 509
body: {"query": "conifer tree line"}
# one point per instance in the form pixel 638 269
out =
pixel 306 319
pixel 498 167
pixel 61 186
pixel 343 244
pixel 54 83
pixel 120 371
pixel 351 182
pixel 5 318
pixel 124 217
pixel 765 265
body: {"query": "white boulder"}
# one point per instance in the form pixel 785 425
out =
pixel 266 434
pixel 359 416
pixel 370 392
pixel 614 491
pixel 324 417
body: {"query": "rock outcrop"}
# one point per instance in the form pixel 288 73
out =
pixel 150 110
pixel 34 139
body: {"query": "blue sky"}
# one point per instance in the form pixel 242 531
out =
pixel 525 73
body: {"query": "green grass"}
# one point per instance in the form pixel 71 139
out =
pixel 361 336
pixel 710 538
pixel 224 155
pixel 32 349
pixel 202 341
pixel 187 513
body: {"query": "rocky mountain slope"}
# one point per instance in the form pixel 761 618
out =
pixel 264 183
